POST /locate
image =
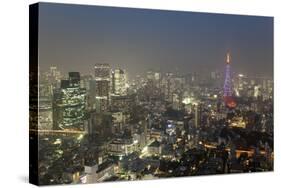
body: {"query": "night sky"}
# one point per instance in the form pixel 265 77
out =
pixel 75 37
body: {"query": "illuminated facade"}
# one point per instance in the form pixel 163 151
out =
pixel 227 88
pixel 168 86
pixel 102 78
pixel 69 104
pixel 197 115
pixel 45 115
pixel 119 82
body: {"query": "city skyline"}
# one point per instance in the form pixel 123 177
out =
pixel 75 37
pixel 122 94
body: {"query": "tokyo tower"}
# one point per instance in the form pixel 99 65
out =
pixel 227 88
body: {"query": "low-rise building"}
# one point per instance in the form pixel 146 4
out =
pixel 121 147
pixel 154 148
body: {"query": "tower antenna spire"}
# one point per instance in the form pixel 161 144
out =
pixel 228 58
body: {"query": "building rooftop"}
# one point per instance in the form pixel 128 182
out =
pixel 104 166
pixel 155 144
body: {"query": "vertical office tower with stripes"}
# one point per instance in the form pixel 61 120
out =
pixel 102 78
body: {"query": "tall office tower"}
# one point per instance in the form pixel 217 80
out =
pixel 45 109
pixel 168 84
pixel 176 101
pixel 240 82
pixel 145 124
pixel 45 113
pixel 102 78
pixel 54 77
pixel 119 82
pixel 69 104
pixel 227 88
pixel 48 81
pixel 88 83
pixel 74 79
pixel 257 91
pixel 55 73
pixel 197 115
pixel 239 85
pixel 270 87
pixel 157 79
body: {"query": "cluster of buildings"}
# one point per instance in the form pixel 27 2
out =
pixel 104 127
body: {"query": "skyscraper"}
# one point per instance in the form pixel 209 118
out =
pixel 119 82
pixel 102 78
pixel 54 76
pixel 69 104
pixel 88 83
pixel 45 113
pixel 74 79
pixel 197 115
pixel 168 84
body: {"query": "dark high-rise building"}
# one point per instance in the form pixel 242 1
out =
pixel 102 72
pixel 197 115
pixel 74 79
pixel 102 78
pixel 69 104
pixel 102 89
pixel 88 83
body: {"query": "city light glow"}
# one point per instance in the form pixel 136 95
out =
pixel 145 102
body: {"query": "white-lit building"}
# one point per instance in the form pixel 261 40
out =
pixel 69 106
pixel 102 80
pixel 45 114
pixel 257 91
pixel 98 173
pixel 119 82
pixel 121 147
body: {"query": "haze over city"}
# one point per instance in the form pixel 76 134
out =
pixel 77 37
pixel 133 94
